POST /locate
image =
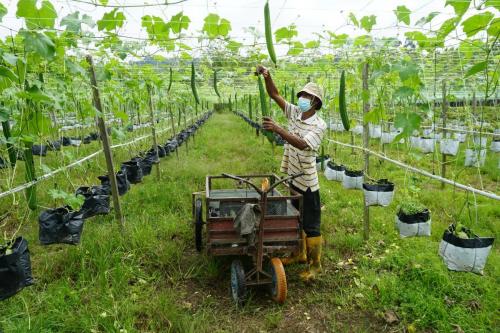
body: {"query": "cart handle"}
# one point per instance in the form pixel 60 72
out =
pixel 246 181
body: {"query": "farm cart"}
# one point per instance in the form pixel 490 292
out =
pixel 277 230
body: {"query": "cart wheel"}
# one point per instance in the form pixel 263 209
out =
pixel 238 286
pixel 278 286
pixel 198 224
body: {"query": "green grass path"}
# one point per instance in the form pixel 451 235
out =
pixel 151 280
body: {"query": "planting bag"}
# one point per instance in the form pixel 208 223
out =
pixel 449 147
pixel 325 159
pixel 54 145
pixel 418 224
pixel 39 150
pixel 352 179
pixel 379 194
pixel 334 171
pixel 96 201
pixel 66 141
pixel 60 225
pixel 121 180
pixel 15 268
pixel 465 255
pixel 426 145
pixel 495 146
pixel 474 158
pixel 133 171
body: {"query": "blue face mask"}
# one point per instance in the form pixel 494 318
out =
pixel 304 104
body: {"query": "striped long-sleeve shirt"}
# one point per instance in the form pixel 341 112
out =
pixel 295 160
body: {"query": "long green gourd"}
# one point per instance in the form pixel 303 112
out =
pixel 342 103
pixel 193 84
pixel 215 84
pixel 264 108
pixel 30 175
pixel 170 81
pixel 269 33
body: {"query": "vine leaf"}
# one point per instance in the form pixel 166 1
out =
pixel 476 23
pixel 38 43
pixel 73 22
pixel 407 122
pixel 296 49
pixel 37 18
pixel 3 11
pixel 427 19
pixel 460 6
pixel 367 22
pixel 179 22
pixel 403 14
pixel 215 26
pixel 480 66
pixel 494 27
pixel 286 33
pixel 111 20
pixel 492 3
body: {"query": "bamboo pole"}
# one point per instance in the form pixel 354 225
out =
pixel 153 132
pixel 105 145
pixel 366 143
pixel 444 109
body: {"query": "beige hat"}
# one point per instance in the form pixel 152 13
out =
pixel 313 89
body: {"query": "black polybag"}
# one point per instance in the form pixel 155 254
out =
pixel 121 180
pixel 133 171
pixel 60 225
pixel 15 268
pixel 96 201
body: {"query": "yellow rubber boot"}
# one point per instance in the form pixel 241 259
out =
pixel 300 257
pixel 314 258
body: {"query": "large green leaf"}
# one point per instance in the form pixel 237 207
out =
pixel 418 37
pixel 492 3
pixel 179 22
pixel 338 40
pixel 426 19
pixel 403 14
pixel 367 22
pixel 407 122
pixel 6 72
pixel 312 44
pixel 215 26
pixel 73 22
pixel 448 26
pixel 36 18
pixel 233 46
pixel 296 48
pixel 111 20
pixel 480 66
pixel 494 28
pixel 286 33
pixel 460 6
pixel 38 43
pixel 477 23
pixel 156 28
pixel 3 11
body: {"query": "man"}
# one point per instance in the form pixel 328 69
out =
pixel 303 137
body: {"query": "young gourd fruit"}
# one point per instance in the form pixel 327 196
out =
pixel 269 33
pixel 342 103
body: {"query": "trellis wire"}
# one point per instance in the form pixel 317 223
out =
pixel 422 172
pixel 80 161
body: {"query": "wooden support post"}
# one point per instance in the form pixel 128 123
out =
pixel 105 145
pixel 153 130
pixel 366 144
pixel 444 109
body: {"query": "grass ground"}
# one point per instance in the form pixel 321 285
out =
pixel 150 279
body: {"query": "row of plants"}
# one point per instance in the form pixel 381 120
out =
pixel 64 225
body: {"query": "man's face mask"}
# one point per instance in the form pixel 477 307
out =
pixel 304 104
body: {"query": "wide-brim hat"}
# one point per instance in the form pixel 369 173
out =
pixel 313 89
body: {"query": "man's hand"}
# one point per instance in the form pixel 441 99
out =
pixel 262 70
pixel 269 124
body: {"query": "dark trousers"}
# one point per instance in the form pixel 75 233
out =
pixel 311 214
